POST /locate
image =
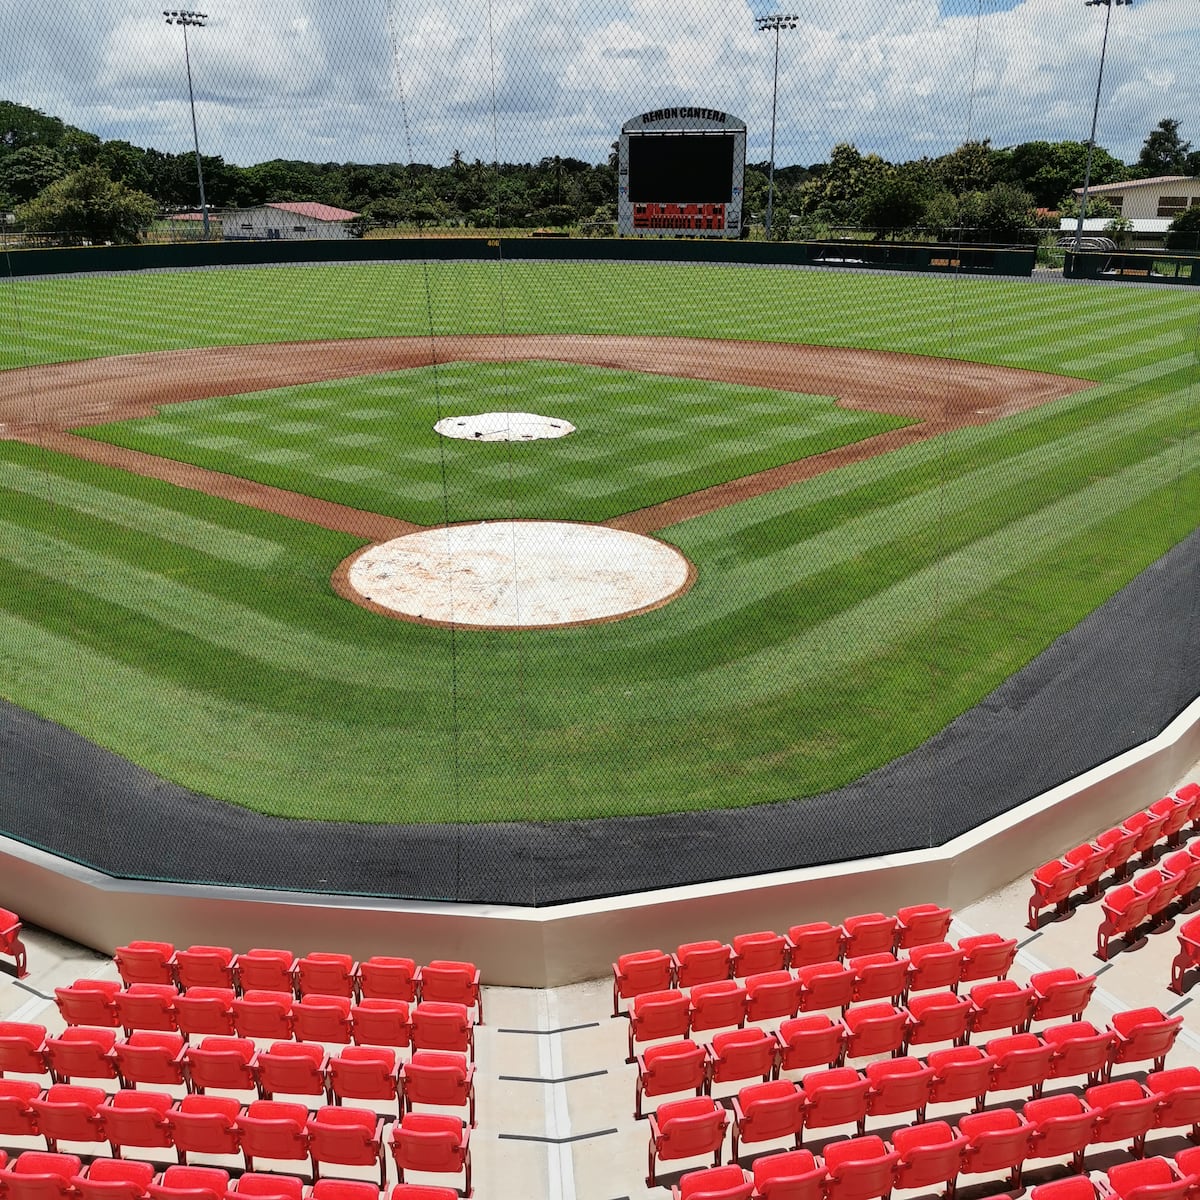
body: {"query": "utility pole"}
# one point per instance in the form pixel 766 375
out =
pixel 776 22
pixel 186 18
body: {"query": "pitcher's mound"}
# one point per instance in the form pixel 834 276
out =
pixel 504 427
pixel 516 575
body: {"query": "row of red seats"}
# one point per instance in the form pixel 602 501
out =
pixel 234 1064
pixel 871 1028
pixel 348 1137
pixel 327 974
pixel 754 953
pixel 1055 882
pixel 1149 897
pixel 11 945
pixel 924 1156
pixel 265 1015
pixel 1019 1061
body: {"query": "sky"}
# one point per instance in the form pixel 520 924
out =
pixel 516 80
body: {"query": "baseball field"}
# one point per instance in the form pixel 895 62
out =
pixel 894 492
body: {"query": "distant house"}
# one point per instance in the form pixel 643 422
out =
pixel 1149 205
pixel 303 219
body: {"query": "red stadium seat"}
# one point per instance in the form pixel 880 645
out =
pixel 82 1053
pixel 205 1010
pixel 765 1112
pixel 714 1183
pixel 1124 910
pixel 921 925
pixel 637 973
pixel 136 1119
pixel 772 994
pixel 874 1029
pixel 898 1085
pixel 113 1179
pixel 792 1175
pixel 657 1015
pixel 434 1143
pixel 1022 1061
pixel 377 1021
pixel 439 1078
pixel 230 1064
pixel 252 1186
pixel 679 1129
pixel 1079 1049
pixel 1063 992
pixel 1000 1005
pixel 387 978
pixel 1061 1125
pixel 1150 1179
pixel 860 1168
pixel 986 956
pixel 702 962
pixel 961 1073
pixel 1124 1113
pixel 835 1097
pixel 1188 956
pixel 1142 1035
pixel 1092 860
pixel 741 1054
pixel 148 1057
pixel 147 1006
pixel 1160 890
pixel 146 962
pixel 422 1191
pixel 1074 1187
pixel 366 1073
pixel 204 1125
pixel 817 942
pixel 996 1141
pixel 205 966
pixel 266 970
pixel 36 1175
pixel 674 1067
pixel 190 1183
pixel 878 977
pixel 1121 845
pixel 1178 1095
pixel 936 965
pixel 293 1069
pixel 809 1041
pixel 10 941
pixel 273 1129
pixel 936 1017
pixel 825 986
pixel 720 1005
pixel 1178 815
pixel 346 1137
pixel 23 1048
pixel 322 1018
pixel 868 933
pixel 1186 868
pixel 1053 883
pixel 263 1014
pixel 441 1025
pixel 1147 828
pixel 929 1155
pixel 344 1189
pixel 755 953
pixel 326 974
pixel 89 1002
pixel 67 1112
pixel 18 1118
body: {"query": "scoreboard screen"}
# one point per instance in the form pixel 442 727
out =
pixel 681 168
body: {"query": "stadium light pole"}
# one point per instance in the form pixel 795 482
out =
pixel 1087 172
pixel 775 22
pixel 185 18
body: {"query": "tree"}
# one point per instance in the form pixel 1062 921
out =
pixel 88 206
pixel 967 169
pixel 895 201
pixel 1164 152
pixel 1007 211
pixel 1184 231
pixel 26 171
pixel 1050 170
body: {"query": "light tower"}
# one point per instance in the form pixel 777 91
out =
pixel 185 18
pixel 776 22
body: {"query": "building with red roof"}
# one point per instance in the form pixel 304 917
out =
pixel 302 219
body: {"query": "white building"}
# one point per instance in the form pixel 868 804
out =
pixel 1150 205
pixel 303 219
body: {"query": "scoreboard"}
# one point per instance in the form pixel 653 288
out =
pixel 681 171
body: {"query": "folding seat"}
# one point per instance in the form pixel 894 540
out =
pixel 421 1191
pixel 961 1073
pixel 935 1017
pixel 986 956
pixel 1150 1179
pixel 1178 815
pixel 1053 883
pixel 23 1049
pixel 1187 1160
pixel 1079 1049
pixel 674 1067
pixel 365 1073
pixel 265 970
pixel 878 977
pixel 1178 1095
pixel 740 1054
pixel 1061 1125
pixel 809 1041
pixel 936 965
pixel 633 974
pixel 89 1002
pixel 996 1141
pixel 1159 889
pixel 253 1186
pixel 440 1025
pixel 190 1183
pixel 772 994
pixel 1147 828
pixel 146 962
pixel 868 933
pixel 439 1078
pixel 1186 869
pixel 1124 910
pixel 146 1057
pixel 346 1137
pixel 326 974
pixel 382 977
pixel 860 1168
pixel 205 1010
pixel 921 925
pixel 898 1085
pixel 765 1112
pixel 377 1021
pixel 824 986
pixel 834 1097
pixel 136 1119
pixel 702 962
pixel 1188 956
pixel 1142 1035
pixel 11 945
pixel 67 1112
pixel 816 942
pixel 435 1143
pixel 755 953
pixel 204 1125
pixel 322 1018
pixel 679 1129
pixel 657 1015
pixel 1073 1187
pixel 1124 1113
pixel 148 1006
pixel 874 1029
pixel 791 1175
pixel 1062 992
pixel 1092 860
pixel 1022 1061
pixel 344 1189
pixel 293 1068
pixel 230 1064
pixel 205 966
pixel 273 1129
pixel 1121 845
pixel 263 1014
pixel 1189 794
pixel 18 1118
pixel 1000 1005
pixel 929 1154
pixel 113 1179
pixel 36 1175
pixel 720 1005
pixel 714 1183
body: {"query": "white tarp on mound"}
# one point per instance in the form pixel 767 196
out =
pixel 504 427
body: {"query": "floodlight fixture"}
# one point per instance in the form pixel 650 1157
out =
pixel 186 17
pixel 773 23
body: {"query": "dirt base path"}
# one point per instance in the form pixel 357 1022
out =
pixel 39 405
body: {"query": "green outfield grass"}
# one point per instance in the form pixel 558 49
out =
pixel 833 625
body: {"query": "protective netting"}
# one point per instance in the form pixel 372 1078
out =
pixel 836 324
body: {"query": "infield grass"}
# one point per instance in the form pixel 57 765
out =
pixel 833 625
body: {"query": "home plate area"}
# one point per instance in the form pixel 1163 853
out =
pixel 517 575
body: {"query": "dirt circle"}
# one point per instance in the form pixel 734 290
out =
pixel 516 575
pixel 503 427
